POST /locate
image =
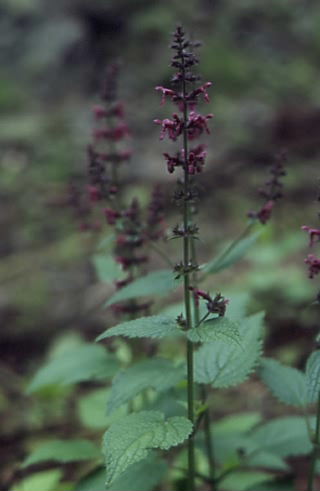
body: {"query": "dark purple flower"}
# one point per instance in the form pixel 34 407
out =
pixel 314 265
pixel 196 159
pixel 111 215
pixel 99 111
pixel 173 161
pixel 94 193
pixel 264 214
pixel 165 93
pixel 202 90
pixel 272 190
pixel 216 305
pixel 170 127
pixel 197 124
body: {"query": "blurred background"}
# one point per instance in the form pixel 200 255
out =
pixel 263 60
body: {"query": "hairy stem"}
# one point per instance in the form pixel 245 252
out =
pixel 315 451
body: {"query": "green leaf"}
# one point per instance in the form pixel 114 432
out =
pixel 243 480
pixel 156 283
pixel 226 364
pixel 220 328
pixel 267 460
pixel 282 436
pixel 130 440
pixel 229 434
pixel 237 423
pixel 237 306
pixel 141 476
pixel 63 451
pixel 158 373
pixel 154 326
pixel 231 256
pixel 92 410
pixel 39 481
pixel 87 362
pixel 106 268
pixel 286 383
pixel 92 482
pixel 313 376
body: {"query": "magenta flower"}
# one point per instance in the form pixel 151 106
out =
pixel 165 93
pixel 314 265
pixel 170 127
pixel 264 214
pixel 173 161
pixel 196 159
pixel 197 124
pixel 111 215
pixel 99 111
pixel 94 194
pixel 200 90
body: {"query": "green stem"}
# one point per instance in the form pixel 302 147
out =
pixel 315 451
pixel 187 297
pixel 208 442
pixel 204 394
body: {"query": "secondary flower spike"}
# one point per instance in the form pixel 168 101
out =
pixel 271 191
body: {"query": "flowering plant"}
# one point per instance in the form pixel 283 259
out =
pixel 160 402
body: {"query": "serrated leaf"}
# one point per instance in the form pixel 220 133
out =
pixel 220 328
pixel 286 383
pixel 141 476
pixel 63 451
pixel 154 326
pixel 128 441
pixel 231 256
pixel 156 283
pixel 313 377
pixel 168 404
pixel 158 373
pixel 106 268
pixel 226 364
pixel 282 436
pixel 87 362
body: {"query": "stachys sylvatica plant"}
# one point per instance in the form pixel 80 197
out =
pixel 160 433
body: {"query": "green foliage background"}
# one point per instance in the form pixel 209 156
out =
pixel 262 58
